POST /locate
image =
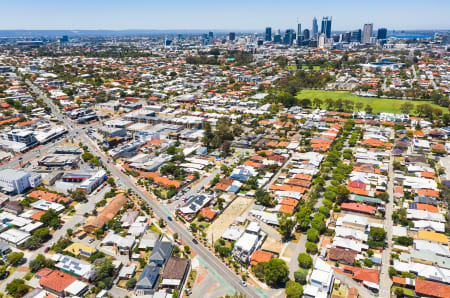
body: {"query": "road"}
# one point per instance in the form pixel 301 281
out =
pixel 225 275
pixel 385 280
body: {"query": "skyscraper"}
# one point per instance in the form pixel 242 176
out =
pixel 232 36
pixel 314 29
pixel 289 37
pixel 367 33
pixel 382 33
pixel 326 26
pixel 306 35
pixel 268 34
pixel 356 36
pixel 277 36
pixel 211 34
pixel 322 40
pixel 299 34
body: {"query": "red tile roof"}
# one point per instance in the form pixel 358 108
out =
pixel 431 288
pixel 57 281
pixel 364 274
pixel 359 208
pixel 260 256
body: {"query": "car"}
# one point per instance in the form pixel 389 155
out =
pixel 170 218
pixel 47 249
pixel 194 241
pixel 91 240
pixel 188 292
pixel 243 283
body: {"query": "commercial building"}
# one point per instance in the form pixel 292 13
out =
pixel 326 26
pixel 16 181
pixel 268 36
pixel 93 182
pixel 382 33
pixel 367 33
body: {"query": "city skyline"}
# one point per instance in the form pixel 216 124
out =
pixel 232 15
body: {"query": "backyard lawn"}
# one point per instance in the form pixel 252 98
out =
pixel 387 105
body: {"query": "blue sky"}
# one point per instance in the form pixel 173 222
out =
pixel 225 14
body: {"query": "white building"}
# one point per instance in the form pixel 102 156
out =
pixel 16 181
pixel 93 182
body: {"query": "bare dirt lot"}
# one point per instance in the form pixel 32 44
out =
pixel 235 209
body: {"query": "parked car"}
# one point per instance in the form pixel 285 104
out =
pixel 194 241
pixel 47 249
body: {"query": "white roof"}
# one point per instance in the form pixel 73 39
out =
pixel 45 205
pixel 427 271
pixel 425 215
pixel 14 236
pixel 233 233
pixel 398 231
pixel 76 287
pixel 437 248
pixel 253 227
pixel 350 233
pixel 347 243
pixel 352 219
pixel 247 242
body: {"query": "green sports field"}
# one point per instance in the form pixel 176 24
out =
pixel 388 105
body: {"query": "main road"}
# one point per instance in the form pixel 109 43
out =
pixel 228 278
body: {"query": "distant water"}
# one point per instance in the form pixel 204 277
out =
pixel 412 36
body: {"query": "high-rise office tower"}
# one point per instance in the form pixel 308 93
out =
pixel 268 34
pixel 322 40
pixel 326 26
pixel 367 33
pixel 346 37
pixel 289 37
pixel 306 35
pixel 382 33
pixel 211 34
pixel 299 34
pixel 356 36
pixel 232 36
pixel 314 29
pixel 277 36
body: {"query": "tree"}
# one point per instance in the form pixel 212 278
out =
pixel 276 272
pixel 17 288
pixel 131 283
pixel 311 248
pixel 264 198
pixel 359 106
pixel 317 102
pixel 42 233
pixel 319 225
pixel 312 235
pixel 406 107
pixel 303 217
pixel 399 292
pixel 378 234
pixel 40 262
pixel 368 262
pixel 14 258
pixel 3 272
pixel 258 270
pixel 50 218
pixel 300 276
pixel 368 109
pixel 293 289
pixel 78 195
pixel 87 156
pixel 304 260
pixel 286 224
